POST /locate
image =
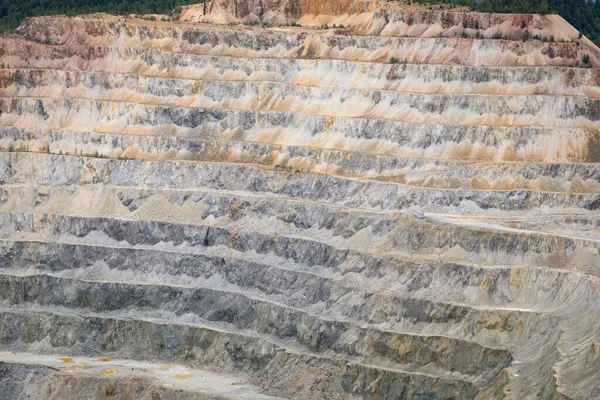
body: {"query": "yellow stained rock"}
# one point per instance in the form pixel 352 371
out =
pixel 183 376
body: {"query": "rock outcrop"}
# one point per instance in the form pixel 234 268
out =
pixel 271 10
pixel 406 207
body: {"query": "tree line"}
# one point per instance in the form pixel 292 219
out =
pixel 12 12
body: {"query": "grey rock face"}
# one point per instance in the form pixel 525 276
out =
pixel 218 212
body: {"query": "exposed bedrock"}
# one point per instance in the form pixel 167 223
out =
pixel 404 208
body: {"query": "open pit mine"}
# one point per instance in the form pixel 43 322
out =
pixel 299 199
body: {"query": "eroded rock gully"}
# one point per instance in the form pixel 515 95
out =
pixel 208 211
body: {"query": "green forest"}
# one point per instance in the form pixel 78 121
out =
pixel 583 15
pixel 12 12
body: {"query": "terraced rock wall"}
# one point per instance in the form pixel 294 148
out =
pixel 289 211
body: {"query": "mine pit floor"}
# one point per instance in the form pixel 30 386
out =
pixel 174 377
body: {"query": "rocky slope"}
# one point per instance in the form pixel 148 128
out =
pixel 403 208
